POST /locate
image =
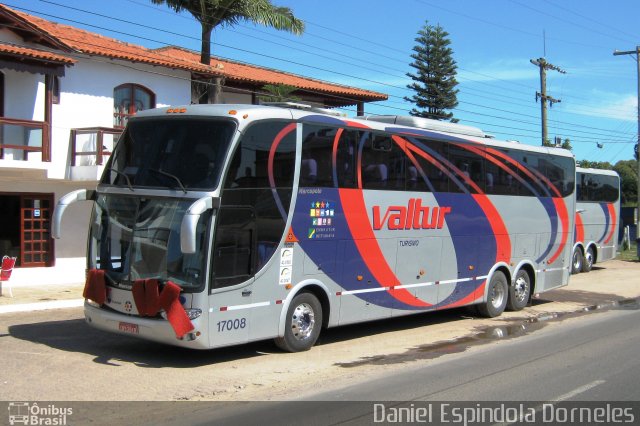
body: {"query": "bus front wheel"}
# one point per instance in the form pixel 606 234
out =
pixel 497 295
pixel 302 324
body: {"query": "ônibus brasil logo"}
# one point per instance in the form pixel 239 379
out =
pixel 411 216
pixel 30 413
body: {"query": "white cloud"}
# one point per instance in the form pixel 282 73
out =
pixel 608 105
pixel 508 70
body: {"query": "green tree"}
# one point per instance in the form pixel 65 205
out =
pixel 434 79
pixel 278 93
pixel 227 13
pixel 564 144
pixel 628 171
pixel 602 165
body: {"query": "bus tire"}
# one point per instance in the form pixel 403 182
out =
pixel 497 295
pixel 577 261
pixel 519 291
pixel 302 324
pixel 589 257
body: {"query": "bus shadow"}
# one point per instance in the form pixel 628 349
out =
pixel 75 335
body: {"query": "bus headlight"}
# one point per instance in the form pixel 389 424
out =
pixel 92 303
pixel 191 313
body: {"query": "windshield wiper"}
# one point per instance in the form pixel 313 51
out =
pixel 174 177
pixel 118 172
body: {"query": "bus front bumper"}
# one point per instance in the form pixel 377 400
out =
pixel 158 330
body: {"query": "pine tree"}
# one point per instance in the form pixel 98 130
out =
pixel 434 81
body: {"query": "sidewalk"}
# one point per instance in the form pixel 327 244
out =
pixel 39 297
pixel 44 288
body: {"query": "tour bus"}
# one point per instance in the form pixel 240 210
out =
pixel 215 225
pixel 596 222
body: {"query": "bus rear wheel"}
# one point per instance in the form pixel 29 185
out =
pixel 497 295
pixel 589 256
pixel 519 291
pixel 577 261
pixel 302 324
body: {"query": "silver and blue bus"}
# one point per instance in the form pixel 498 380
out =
pixel 216 225
pixel 596 222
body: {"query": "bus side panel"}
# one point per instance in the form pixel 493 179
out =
pixel 357 276
pixel 418 261
pixel 600 225
pixel 230 315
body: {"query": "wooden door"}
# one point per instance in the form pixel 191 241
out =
pixel 36 248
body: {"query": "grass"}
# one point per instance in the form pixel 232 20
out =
pixel 629 255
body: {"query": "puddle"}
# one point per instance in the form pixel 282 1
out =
pixel 509 329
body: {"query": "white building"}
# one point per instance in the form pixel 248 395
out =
pixel 65 95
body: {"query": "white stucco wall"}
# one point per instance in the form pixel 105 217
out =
pixel 86 98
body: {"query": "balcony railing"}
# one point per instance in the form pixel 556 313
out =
pixel 92 145
pixel 22 139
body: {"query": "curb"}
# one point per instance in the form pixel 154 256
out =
pixel 41 306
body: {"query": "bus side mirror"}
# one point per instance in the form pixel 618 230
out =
pixel 188 227
pixel 63 203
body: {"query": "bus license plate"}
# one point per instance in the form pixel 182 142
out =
pixel 128 327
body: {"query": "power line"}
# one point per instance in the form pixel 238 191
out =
pixel 472 112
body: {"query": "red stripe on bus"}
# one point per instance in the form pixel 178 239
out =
pixel 561 208
pixel 223 309
pixel 274 146
pixel 334 153
pixel 478 293
pixel 503 242
pixel 365 240
pixel 579 229
pixel 612 215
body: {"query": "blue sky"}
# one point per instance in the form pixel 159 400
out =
pixel 367 43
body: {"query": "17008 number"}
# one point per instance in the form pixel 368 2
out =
pixel 232 324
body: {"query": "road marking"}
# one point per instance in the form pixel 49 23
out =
pixel 578 391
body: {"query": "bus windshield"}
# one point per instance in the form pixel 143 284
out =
pixel 134 238
pixel 176 153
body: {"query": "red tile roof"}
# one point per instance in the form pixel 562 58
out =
pixel 242 72
pixel 25 52
pixel 74 40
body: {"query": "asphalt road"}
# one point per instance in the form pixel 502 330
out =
pixel 584 363
pixel 594 356
pixel 591 358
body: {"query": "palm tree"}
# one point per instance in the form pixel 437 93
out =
pixel 214 13
pixel 278 93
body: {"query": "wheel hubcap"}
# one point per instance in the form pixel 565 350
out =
pixel 302 321
pixel 497 296
pixel 576 261
pixel 589 258
pixel 521 288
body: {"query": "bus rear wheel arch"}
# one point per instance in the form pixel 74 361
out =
pixel 303 323
pixel 497 295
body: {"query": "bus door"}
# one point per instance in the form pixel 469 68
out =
pixel 232 280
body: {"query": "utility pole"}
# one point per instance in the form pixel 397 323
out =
pixel 542 94
pixel 637 53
